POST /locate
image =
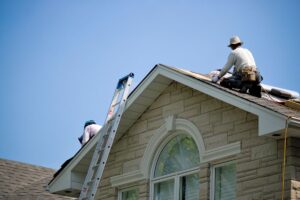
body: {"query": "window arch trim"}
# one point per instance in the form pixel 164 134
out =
pixel 165 132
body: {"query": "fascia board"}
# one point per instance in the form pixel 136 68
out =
pixel 295 122
pixel 269 121
pixel 62 183
pixel 65 175
pixel 143 85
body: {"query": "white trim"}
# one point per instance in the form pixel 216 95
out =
pixel 160 138
pixel 180 173
pixel 156 140
pixel 170 123
pixel 60 182
pixel 127 178
pixel 221 152
pixel 143 86
pixel 174 176
pixel 265 115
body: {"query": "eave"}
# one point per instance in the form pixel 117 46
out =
pixel 270 122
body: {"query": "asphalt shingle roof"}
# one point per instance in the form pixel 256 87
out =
pixel 20 181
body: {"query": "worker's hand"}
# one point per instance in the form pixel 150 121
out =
pixel 215 79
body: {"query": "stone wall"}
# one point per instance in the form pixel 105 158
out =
pixel 293 167
pixel 258 165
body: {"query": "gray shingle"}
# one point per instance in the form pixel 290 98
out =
pixel 25 181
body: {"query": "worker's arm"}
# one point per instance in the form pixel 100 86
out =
pixel 86 135
pixel 228 65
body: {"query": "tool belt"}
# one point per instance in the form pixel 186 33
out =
pixel 248 73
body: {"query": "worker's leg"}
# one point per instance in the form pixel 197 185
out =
pixel 232 82
pixel 255 90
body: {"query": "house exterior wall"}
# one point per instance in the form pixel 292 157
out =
pixel 258 166
pixel 293 167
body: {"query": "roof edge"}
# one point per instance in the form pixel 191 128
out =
pixel 265 114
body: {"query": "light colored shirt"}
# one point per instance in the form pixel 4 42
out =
pixel 239 58
pixel 89 132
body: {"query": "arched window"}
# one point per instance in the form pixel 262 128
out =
pixel 175 175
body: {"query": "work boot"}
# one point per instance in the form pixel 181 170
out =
pixel 255 90
pixel 243 89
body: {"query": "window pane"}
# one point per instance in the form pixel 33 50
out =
pixel 225 182
pixel 179 154
pixel 164 190
pixel 189 187
pixel 130 195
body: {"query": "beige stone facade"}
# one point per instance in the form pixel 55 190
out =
pixel 258 165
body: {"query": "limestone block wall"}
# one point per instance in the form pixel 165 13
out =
pixel 258 165
pixel 293 167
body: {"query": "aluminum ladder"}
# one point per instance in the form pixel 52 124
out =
pixel 106 139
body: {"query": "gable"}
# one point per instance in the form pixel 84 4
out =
pixel 155 92
pixel 161 76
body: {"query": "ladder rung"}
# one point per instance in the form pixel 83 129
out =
pixel 103 147
pixel 96 166
pixel 111 119
pixel 100 150
pixel 90 182
pixel 115 104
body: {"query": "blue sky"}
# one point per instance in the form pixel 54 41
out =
pixel 60 60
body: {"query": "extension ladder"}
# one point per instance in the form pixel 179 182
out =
pixel 106 139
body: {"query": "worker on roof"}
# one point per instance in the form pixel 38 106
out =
pixel 245 75
pixel 90 129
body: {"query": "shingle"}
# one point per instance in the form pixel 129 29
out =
pixel 24 181
pixel 264 102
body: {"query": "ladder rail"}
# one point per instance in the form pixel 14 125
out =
pixel 109 142
pixel 90 174
pixel 106 139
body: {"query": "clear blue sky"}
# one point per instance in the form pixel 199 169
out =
pixel 60 60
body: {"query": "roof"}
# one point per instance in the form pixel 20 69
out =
pixel 272 116
pixel 24 181
pixel 162 75
pixel 268 100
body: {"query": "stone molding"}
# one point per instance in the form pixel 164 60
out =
pixel 171 125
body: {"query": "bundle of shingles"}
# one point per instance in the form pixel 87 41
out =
pixel 293 103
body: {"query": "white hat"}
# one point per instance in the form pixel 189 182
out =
pixel 235 40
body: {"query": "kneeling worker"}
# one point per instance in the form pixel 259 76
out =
pixel 90 130
pixel 245 73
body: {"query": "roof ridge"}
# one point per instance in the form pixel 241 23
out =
pixel 27 164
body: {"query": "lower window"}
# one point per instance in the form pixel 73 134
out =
pixel 224 178
pixel 185 187
pixel 131 194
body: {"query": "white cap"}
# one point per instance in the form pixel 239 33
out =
pixel 235 40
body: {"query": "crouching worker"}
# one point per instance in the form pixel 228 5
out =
pixel 246 76
pixel 90 130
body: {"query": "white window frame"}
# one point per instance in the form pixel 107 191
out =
pixel 176 175
pixel 120 192
pixel 213 176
